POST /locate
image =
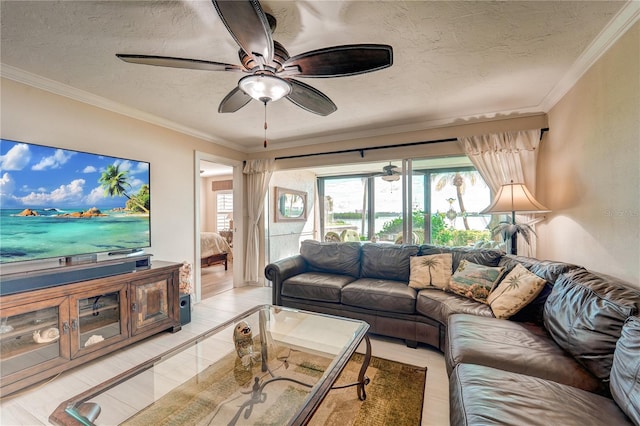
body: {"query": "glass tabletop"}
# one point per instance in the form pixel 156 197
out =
pixel 269 365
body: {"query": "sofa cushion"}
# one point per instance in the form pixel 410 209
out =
pixel 546 269
pixel 474 281
pixel 515 292
pixel 387 261
pixel 438 305
pixel 584 314
pixel 483 395
pixel 487 257
pixel 430 271
pixel 513 346
pixel 339 258
pixel 316 286
pixel 380 295
pixel 625 372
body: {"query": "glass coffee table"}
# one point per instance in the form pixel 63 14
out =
pixel 269 365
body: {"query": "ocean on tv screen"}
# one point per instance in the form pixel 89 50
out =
pixel 56 202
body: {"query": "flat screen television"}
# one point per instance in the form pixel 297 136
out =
pixel 59 203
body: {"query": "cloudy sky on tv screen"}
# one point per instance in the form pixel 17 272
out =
pixel 56 202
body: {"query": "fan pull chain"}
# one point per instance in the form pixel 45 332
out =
pixel 265 124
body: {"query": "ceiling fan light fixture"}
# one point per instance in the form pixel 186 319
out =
pixel 265 87
pixel 391 178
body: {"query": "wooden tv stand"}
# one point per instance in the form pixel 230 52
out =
pixel 92 318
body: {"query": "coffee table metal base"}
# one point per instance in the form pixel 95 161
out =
pixel 363 380
pixel 258 396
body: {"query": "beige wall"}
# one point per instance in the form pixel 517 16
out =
pixel 36 116
pixel 589 167
pixel 285 237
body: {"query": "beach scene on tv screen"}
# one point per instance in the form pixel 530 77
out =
pixel 56 202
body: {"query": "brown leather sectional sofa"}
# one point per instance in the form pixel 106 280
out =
pixel 560 360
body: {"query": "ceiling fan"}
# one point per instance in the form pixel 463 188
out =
pixel 390 173
pixel 269 67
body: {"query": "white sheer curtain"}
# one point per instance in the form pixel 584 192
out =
pixel 503 157
pixel 258 176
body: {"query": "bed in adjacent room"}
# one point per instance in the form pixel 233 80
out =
pixel 214 249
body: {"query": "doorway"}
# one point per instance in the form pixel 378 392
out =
pixel 218 211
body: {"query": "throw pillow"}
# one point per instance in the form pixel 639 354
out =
pixel 515 292
pixel 474 281
pixel 431 271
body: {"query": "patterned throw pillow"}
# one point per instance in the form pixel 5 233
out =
pixel 430 271
pixel 474 281
pixel 515 292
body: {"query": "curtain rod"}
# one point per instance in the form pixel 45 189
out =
pixel 362 150
pixel 546 129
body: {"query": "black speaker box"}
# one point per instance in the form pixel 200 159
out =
pixel 185 308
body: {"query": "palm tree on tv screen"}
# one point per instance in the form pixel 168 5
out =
pixel 115 181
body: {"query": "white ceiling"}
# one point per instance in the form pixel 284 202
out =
pixel 454 61
pixel 214 170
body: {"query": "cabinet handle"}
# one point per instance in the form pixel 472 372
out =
pixel 65 327
pixel 74 324
pixel 134 307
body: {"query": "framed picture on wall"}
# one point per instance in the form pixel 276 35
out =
pixel 290 205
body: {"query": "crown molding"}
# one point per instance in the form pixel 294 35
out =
pixel 620 24
pixel 52 86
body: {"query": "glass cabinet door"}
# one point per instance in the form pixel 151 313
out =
pixel 33 335
pixel 97 320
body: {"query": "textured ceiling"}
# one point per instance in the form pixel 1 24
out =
pixel 454 61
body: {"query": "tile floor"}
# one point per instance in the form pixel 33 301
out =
pixel 33 406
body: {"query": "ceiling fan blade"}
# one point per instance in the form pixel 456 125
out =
pixel 340 61
pixel 166 61
pixel 234 100
pixel 310 99
pixel 248 25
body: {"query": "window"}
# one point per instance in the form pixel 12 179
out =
pixel 387 208
pixel 443 202
pixel 345 207
pixel 456 197
pixel 224 210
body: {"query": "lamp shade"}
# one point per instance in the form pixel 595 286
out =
pixel 265 87
pixel 514 197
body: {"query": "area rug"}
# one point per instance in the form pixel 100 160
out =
pixel 394 395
